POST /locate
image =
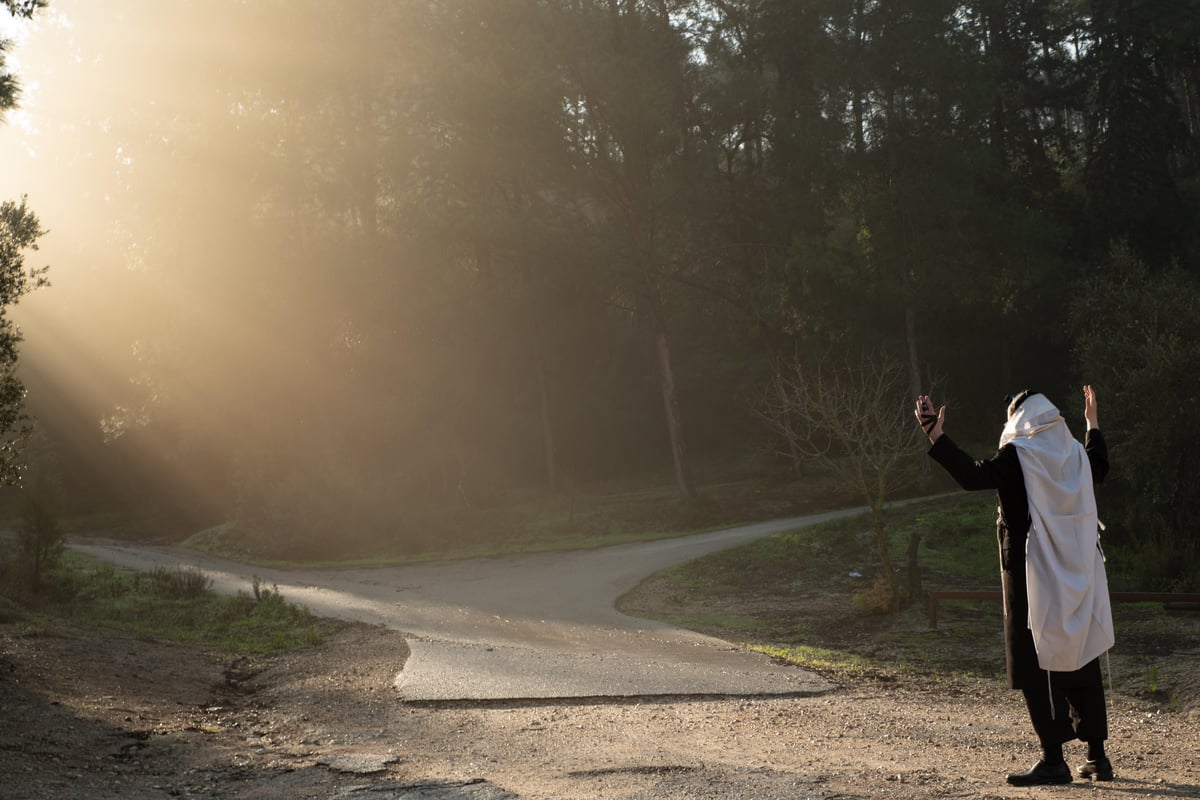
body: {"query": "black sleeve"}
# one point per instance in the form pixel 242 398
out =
pixel 973 475
pixel 1097 452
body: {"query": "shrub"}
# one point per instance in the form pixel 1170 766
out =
pixel 180 582
pixel 881 598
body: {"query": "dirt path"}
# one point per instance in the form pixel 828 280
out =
pixel 95 714
pixel 87 714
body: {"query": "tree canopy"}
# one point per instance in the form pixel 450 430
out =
pixel 19 234
pixel 407 255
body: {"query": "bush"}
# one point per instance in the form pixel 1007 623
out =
pixel 881 598
pixel 180 582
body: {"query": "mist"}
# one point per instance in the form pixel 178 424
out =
pixel 311 266
pixel 338 274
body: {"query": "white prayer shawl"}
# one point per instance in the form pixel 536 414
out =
pixel 1069 612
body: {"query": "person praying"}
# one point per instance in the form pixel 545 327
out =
pixel 1057 615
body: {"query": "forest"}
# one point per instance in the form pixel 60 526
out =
pixel 339 267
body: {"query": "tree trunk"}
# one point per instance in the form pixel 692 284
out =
pixel 860 139
pixel 910 338
pixel 367 183
pixel 1191 87
pixel 915 591
pixel 1006 372
pixel 786 420
pixel 360 117
pixel 537 340
pixel 885 557
pixel 666 378
pixel 914 363
pixel 548 448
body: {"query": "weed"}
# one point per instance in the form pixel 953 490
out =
pixel 180 582
pixel 178 605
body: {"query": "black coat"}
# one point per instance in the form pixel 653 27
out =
pixel 1002 472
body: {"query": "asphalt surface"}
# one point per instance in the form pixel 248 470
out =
pixel 540 626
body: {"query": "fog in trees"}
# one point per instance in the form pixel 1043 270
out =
pixel 336 274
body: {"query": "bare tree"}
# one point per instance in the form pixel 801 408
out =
pixel 855 418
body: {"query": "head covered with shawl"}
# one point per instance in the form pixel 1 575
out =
pixel 1069 612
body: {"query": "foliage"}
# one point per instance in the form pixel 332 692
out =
pixel 19 233
pixel 463 249
pixel 181 582
pixel 24 8
pixel 1139 334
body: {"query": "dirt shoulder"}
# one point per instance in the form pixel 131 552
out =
pixel 100 714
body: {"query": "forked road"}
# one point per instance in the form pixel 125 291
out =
pixel 523 627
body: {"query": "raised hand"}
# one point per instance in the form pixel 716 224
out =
pixel 931 421
pixel 1091 411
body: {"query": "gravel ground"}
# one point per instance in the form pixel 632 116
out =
pixel 97 714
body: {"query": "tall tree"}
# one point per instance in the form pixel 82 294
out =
pixel 1139 146
pixel 19 234
pixel 632 111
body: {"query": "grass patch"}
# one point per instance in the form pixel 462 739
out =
pixel 957 538
pixel 792 596
pixel 176 605
pixel 823 661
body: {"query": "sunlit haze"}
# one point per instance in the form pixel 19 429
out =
pixel 355 270
pixel 148 142
pixel 288 280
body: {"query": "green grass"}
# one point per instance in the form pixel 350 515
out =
pixel 792 596
pixel 957 537
pixel 176 606
pixel 822 660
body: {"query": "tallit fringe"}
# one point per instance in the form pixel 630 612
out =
pixel 1050 691
pixel 1108 700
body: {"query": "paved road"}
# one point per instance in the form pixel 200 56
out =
pixel 523 627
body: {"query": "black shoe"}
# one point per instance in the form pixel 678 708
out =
pixel 1100 769
pixel 1042 774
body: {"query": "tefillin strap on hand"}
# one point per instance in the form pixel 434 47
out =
pixel 928 421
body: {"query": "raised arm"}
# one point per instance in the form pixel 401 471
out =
pixel 973 475
pixel 1091 411
pixel 970 474
pixel 1093 443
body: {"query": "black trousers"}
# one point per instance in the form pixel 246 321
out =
pixel 1061 714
